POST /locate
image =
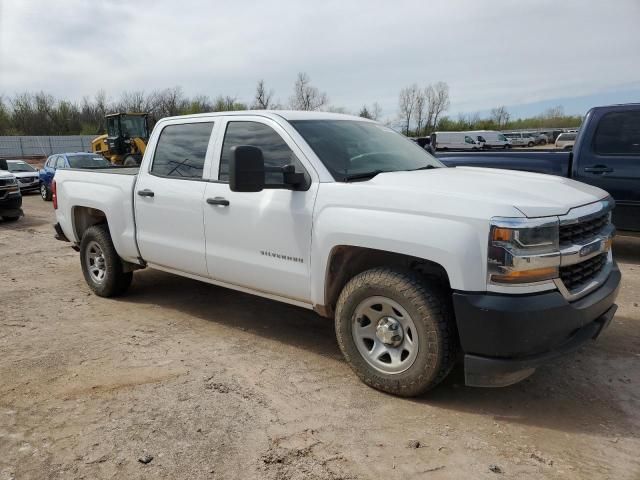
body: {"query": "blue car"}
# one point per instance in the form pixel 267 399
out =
pixel 67 160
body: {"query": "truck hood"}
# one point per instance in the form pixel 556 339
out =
pixel 533 194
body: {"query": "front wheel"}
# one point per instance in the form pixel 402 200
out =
pixel 45 193
pixel 396 331
pixel 11 218
pixel 101 265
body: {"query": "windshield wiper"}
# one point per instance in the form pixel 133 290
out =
pixel 362 176
pixel 426 167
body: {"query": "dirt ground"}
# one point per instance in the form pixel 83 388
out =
pixel 212 383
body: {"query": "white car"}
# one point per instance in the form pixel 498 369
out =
pixel 521 139
pixel 566 140
pixel 27 176
pixel 417 263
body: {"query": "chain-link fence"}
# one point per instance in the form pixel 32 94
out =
pixel 41 146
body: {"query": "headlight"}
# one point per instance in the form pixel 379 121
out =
pixel 523 251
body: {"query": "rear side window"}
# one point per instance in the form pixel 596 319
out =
pixel 618 133
pixel 181 150
pixel 275 151
pixel 60 162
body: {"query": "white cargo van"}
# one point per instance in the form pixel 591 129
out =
pixel 454 141
pixel 491 138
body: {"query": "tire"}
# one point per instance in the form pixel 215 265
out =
pixel 130 161
pixel 101 266
pixel 11 218
pixel 423 311
pixel 530 144
pixel 543 142
pixel 45 193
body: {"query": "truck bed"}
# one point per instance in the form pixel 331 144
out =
pixel 108 190
pixel 549 161
pixel 113 170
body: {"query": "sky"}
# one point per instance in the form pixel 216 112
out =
pixel 527 56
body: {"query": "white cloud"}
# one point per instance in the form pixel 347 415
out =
pixel 490 52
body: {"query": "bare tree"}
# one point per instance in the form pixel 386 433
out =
pixel 553 112
pixel 421 102
pixel 375 111
pixel 306 96
pixel 407 105
pixel 227 104
pixel 263 99
pixel 500 116
pixel 437 102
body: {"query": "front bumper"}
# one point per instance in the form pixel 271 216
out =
pixel 10 205
pixel 505 337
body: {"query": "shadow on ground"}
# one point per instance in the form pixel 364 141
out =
pixel 546 400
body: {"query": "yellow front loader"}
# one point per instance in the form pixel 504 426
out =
pixel 125 140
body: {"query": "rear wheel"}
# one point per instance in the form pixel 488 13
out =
pixel 396 331
pixel 530 144
pixel 101 265
pixel 45 193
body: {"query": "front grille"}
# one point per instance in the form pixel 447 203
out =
pixel 5 181
pixel 27 179
pixel 573 276
pixel 578 233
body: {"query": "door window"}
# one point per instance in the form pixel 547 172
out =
pixel 275 151
pixel 181 150
pixel 60 162
pixel 468 139
pixel 618 133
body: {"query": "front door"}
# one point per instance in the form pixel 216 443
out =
pixel 260 240
pixel 169 199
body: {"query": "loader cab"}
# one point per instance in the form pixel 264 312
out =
pixel 122 127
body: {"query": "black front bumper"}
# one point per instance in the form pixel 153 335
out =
pixel 505 337
pixel 10 205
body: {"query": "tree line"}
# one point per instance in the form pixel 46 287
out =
pixel 421 110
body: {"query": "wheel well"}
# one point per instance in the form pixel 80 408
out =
pixel 346 262
pixel 85 217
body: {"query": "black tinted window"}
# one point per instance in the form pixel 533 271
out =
pixel 181 150
pixel 618 133
pixel 275 151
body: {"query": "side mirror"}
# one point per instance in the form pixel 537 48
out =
pixel 246 169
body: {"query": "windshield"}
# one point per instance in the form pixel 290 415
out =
pixel 133 126
pixel 17 167
pixel 87 161
pixel 350 148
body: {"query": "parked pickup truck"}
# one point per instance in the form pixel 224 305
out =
pixel 415 262
pixel 606 154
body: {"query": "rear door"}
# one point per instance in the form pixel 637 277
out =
pixel 169 197
pixel 612 162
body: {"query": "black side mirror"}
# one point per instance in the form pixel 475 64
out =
pixel 246 169
pixel 292 178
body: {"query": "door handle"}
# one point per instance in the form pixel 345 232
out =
pixel 146 193
pixel 598 169
pixel 218 201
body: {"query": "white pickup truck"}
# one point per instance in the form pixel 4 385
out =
pixel 419 264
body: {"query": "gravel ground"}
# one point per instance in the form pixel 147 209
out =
pixel 180 379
